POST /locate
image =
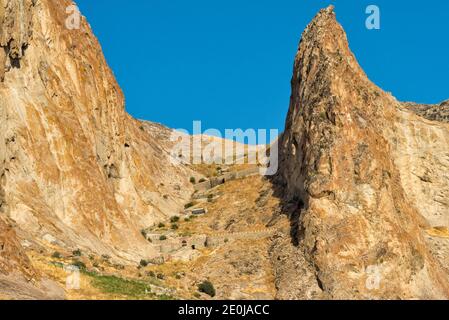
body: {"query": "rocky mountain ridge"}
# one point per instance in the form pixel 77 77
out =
pixel 358 210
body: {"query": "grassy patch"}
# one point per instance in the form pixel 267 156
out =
pixel 119 286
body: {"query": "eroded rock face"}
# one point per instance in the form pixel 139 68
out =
pixel 18 278
pixel 345 159
pixel 437 112
pixel 16 30
pixel 12 257
pixel 76 170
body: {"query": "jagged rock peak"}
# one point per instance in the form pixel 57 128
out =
pixel 325 32
pixel 325 40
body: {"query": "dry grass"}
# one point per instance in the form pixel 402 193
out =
pixel 123 285
pixel 440 232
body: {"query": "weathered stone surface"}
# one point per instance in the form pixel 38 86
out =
pixel 16 21
pixel 346 157
pixel 437 112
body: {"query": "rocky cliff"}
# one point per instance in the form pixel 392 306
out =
pixel 76 171
pixel 369 176
pixel 359 209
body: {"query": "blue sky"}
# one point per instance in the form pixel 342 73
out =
pixel 229 63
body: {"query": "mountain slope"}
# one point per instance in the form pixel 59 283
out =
pixel 76 170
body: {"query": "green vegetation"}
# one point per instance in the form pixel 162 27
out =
pixel 144 233
pixel 202 180
pixel 162 238
pixel 207 287
pixel 143 263
pixel 174 219
pixel 105 257
pixel 323 115
pixel 77 253
pixel 79 264
pixel 174 226
pixel 119 266
pixel 192 180
pixel 161 225
pixel 57 264
pixel 189 205
pixel 122 287
pixel 186 234
pixel 119 286
pixel 56 255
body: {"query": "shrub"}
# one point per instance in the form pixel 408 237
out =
pixel 79 264
pixel 186 234
pixel 160 276
pixel 207 287
pixel 77 253
pixel 174 226
pixel 144 233
pixel 143 263
pixel 192 180
pixel 161 225
pixel 105 257
pixel 189 205
pixel 56 255
pixel 187 219
pixel 151 274
pixel 202 180
pixel 162 238
pixel 174 219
